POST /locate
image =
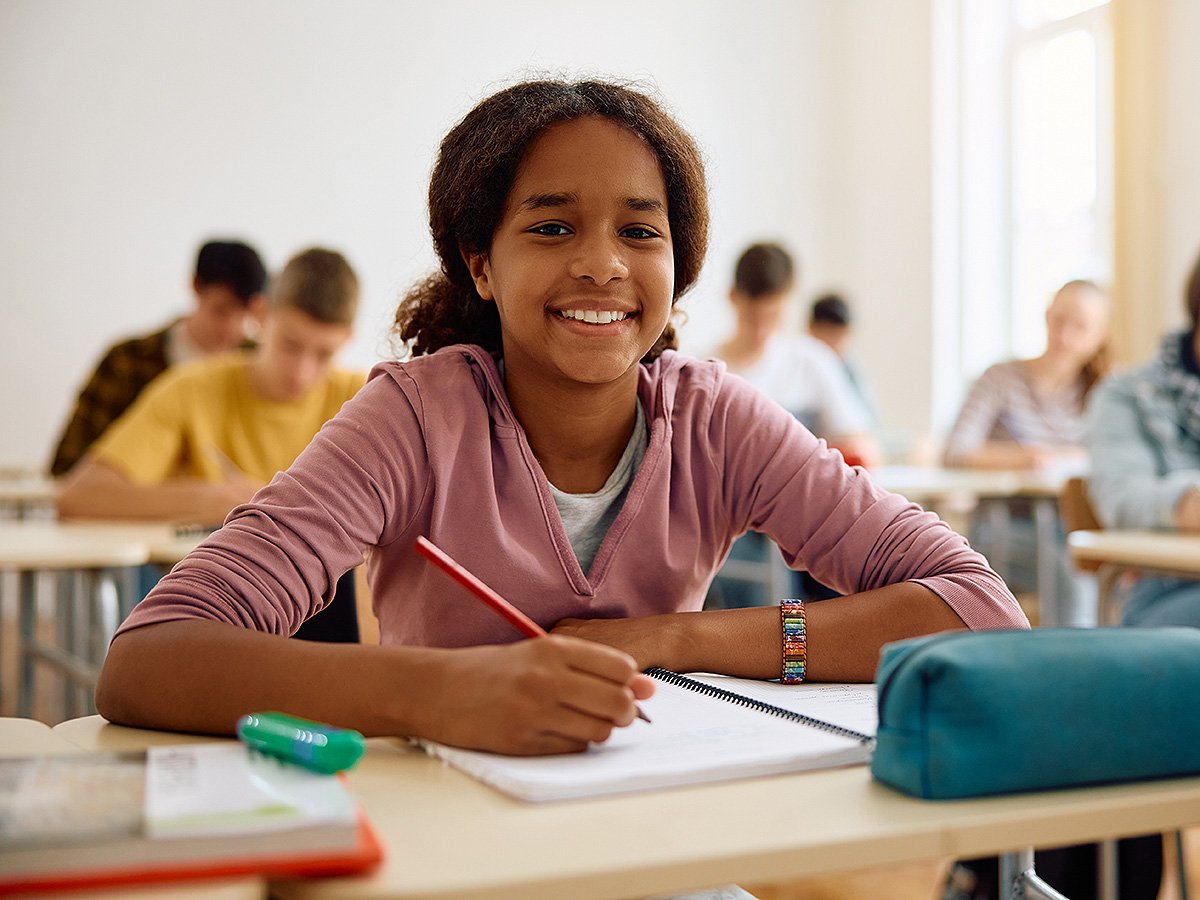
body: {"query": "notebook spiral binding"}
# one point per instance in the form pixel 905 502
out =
pixel 709 690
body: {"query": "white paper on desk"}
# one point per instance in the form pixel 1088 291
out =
pixel 850 706
pixel 692 738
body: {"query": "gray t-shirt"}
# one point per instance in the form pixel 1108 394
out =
pixel 587 517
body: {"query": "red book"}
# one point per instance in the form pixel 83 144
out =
pixel 171 813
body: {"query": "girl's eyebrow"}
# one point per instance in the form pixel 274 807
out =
pixel 565 198
pixel 644 204
pixel 545 201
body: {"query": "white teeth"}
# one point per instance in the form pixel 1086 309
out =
pixel 592 316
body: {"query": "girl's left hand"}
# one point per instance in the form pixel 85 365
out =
pixel 651 640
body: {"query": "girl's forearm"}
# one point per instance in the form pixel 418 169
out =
pixel 550 695
pixel 844 634
pixel 199 676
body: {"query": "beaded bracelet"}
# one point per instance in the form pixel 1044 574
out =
pixel 794 647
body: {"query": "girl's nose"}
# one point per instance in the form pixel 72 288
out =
pixel 598 259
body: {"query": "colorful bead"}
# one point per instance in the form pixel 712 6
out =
pixel 794 645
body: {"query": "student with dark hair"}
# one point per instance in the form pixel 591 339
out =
pixel 207 434
pixel 547 436
pixel 830 323
pixel 796 371
pixel 830 310
pixel 227 285
pixel 1143 439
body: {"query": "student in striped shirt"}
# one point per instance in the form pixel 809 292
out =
pixel 1028 413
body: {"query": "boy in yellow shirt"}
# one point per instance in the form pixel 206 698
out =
pixel 204 436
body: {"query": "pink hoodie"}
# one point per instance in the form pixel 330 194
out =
pixel 432 447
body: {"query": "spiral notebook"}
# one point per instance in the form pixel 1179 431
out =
pixel 703 728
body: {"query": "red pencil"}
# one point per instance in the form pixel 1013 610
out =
pixel 447 564
pixel 443 561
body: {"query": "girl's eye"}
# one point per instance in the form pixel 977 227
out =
pixel 639 233
pixel 550 229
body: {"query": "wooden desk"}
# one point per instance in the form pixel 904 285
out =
pixel 26 494
pixel 933 482
pixel 446 835
pixel 166 543
pixel 1119 551
pixel 1169 552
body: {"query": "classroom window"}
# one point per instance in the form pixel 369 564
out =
pixel 1033 178
pixel 1061 166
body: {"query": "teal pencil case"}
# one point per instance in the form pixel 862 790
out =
pixel 971 713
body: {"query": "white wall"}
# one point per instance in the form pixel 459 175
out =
pixel 130 130
pixel 1180 150
pixel 133 129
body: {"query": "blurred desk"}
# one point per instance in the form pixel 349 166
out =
pixel 920 483
pixel 959 490
pixel 1168 552
pixel 26 494
pixel 447 835
pixel 92 569
pixel 1119 551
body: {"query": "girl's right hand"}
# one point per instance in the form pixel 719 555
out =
pixel 544 695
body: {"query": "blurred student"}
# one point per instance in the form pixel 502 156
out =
pixel 802 375
pixel 227 286
pixel 203 438
pixel 829 322
pixel 1143 439
pixel 1029 413
pixel 1143 434
pixel 797 371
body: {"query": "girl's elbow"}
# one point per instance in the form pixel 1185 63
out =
pixel 117 686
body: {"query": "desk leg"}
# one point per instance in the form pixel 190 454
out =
pixel 1107 874
pixel 1000 525
pixel 1108 578
pixel 1045 519
pixel 72 599
pixel 26 632
pixel 1018 880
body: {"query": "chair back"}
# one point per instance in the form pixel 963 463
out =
pixel 1075 510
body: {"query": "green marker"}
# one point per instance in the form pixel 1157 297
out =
pixel 312 745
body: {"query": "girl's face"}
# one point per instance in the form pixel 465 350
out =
pixel 581 267
pixel 1077 323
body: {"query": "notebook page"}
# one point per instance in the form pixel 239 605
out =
pixel 692 738
pixel 852 706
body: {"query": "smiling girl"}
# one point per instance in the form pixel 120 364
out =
pixel 547 436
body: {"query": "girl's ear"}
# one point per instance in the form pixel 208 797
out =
pixel 481 272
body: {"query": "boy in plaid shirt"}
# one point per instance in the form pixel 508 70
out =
pixel 228 285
